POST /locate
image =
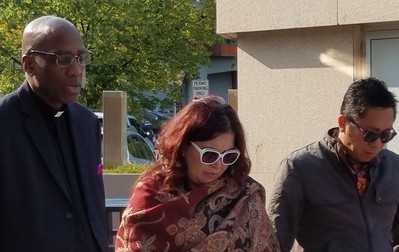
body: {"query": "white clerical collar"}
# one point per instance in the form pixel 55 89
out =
pixel 61 111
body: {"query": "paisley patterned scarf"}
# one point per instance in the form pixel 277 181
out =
pixel 220 216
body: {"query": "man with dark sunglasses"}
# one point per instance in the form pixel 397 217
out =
pixel 51 187
pixel 342 193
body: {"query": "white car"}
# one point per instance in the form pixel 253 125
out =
pixel 132 124
pixel 140 149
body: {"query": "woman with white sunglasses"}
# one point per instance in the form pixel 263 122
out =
pixel 198 196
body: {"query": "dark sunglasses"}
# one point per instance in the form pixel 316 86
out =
pixel 210 156
pixel 371 135
pixel 65 60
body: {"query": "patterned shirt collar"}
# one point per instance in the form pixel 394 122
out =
pixel 354 165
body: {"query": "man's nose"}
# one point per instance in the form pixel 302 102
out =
pixel 75 68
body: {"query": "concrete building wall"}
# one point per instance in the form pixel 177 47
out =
pixel 367 11
pixel 261 15
pixel 294 62
pixel 290 87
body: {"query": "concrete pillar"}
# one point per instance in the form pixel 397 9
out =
pixel 233 98
pixel 114 126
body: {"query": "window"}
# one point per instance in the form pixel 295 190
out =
pixel 139 151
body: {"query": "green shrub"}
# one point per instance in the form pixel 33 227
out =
pixel 127 168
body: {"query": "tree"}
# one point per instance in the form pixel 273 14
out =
pixel 138 46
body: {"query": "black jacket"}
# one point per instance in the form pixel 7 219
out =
pixel 36 211
pixel 315 201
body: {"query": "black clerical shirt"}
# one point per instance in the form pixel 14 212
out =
pixel 58 127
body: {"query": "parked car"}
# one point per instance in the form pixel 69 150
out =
pixel 153 120
pixel 133 124
pixel 146 133
pixel 138 149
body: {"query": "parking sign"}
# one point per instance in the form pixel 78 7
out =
pixel 200 88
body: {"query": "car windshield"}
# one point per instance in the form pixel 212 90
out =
pixel 157 116
pixel 139 149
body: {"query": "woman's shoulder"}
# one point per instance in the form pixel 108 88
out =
pixel 252 186
pixel 148 182
pixel 251 181
pixel 144 193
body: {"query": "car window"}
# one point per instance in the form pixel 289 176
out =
pixel 163 117
pixel 133 121
pixel 138 148
pixel 157 116
pixel 151 116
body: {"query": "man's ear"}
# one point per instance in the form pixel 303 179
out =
pixel 342 122
pixel 27 64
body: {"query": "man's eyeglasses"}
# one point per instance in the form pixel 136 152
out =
pixel 65 60
pixel 210 156
pixel 372 135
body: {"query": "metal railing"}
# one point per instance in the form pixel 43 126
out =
pixel 114 210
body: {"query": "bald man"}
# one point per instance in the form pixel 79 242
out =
pixel 51 190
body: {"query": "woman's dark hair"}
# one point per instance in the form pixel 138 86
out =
pixel 200 120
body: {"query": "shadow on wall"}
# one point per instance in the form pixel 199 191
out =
pixel 282 47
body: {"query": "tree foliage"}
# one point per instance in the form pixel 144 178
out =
pixel 139 46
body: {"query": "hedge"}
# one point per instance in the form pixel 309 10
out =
pixel 127 168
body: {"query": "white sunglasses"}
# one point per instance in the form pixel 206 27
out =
pixel 210 156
